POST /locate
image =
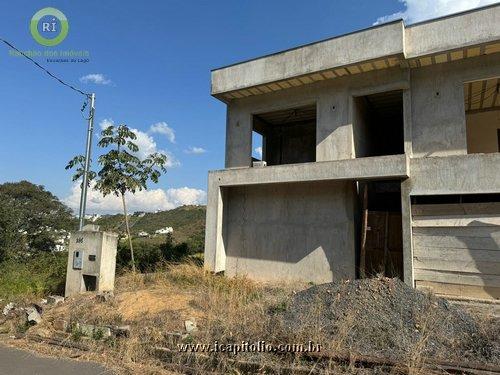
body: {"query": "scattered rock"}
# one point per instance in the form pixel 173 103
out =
pixel 190 325
pixel 60 325
pixel 55 300
pixel 8 308
pixel 393 323
pixel 105 296
pixel 91 330
pixel 121 331
pixel 33 316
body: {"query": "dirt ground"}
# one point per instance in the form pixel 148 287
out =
pixel 373 317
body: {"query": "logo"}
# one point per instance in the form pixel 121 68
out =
pixel 49 27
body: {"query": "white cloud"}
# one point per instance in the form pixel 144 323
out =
pixel 185 195
pixel 195 150
pixel 147 146
pixel 163 128
pixel 96 78
pixel 146 200
pixel 258 151
pixel 146 143
pixel 106 122
pixel 420 10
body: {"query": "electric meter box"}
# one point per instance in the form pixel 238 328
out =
pixel 77 259
pixel 91 261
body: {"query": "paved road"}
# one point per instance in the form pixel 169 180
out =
pixel 20 362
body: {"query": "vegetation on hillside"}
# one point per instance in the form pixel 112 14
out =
pixel 33 223
pixel 186 241
pixel 188 223
pixel 32 220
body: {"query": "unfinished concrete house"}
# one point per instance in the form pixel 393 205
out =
pixel 375 152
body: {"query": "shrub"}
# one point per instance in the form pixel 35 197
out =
pixel 153 252
pixel 38 275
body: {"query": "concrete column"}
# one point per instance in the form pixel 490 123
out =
pixel 215 255
pixel 333 129
pixel 407 232
pixel 238 137
pixel 438 121
pixel 407 116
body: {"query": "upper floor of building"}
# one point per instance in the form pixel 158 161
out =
pixel 429 89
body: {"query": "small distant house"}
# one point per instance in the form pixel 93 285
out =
pixel 93 217
pixel 165 230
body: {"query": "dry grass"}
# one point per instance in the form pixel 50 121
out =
pixel 416 356
pixel 227 311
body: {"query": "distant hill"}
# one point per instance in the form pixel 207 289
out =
pixel 188 223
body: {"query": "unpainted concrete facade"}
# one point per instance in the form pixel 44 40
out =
pixel 297 221
pixel 307 226
pixel 91 261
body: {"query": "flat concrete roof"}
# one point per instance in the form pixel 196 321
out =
pixel 466 34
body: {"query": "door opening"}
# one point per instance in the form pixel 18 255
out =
pixel 90 283
pixel 380 240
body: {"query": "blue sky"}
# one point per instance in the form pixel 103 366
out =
pixel 152 64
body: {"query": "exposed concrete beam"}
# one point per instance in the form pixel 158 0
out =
pixel 460 174
pixel 436 38
pixel 454 32
pixel 378 167
pixel 370 44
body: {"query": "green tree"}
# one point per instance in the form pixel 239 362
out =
pixel 11 238
pixel 31 219
pixel 121 170
pixel 78 162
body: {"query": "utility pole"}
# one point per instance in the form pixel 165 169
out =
pixel 83 197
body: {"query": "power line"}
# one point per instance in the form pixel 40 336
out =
pixel 46 71
pixel 88 97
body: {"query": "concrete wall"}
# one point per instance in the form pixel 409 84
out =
pixel 334 103
pixel 394 39
pixel 463 174
pixel 438 109
pixel 300 231
pixel 250 242
pixel 361 128
pixel 288 144
pixel 482 128
pixel 108 262
pixel 383 40
pixel 101 245
pixel 90 244
pixel 220 182
pixel 470 28
pixel 438 112
pixel 238 137
pixel 435 124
